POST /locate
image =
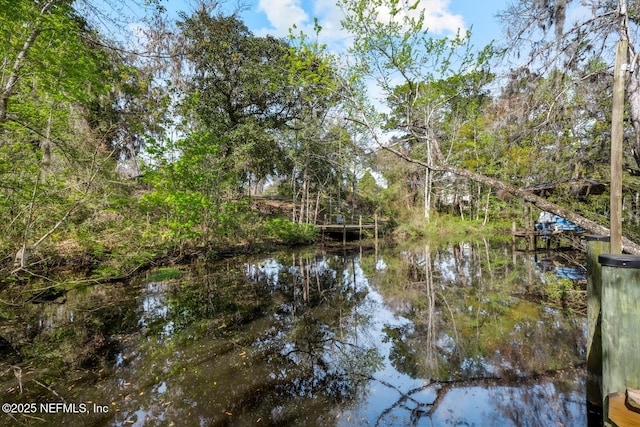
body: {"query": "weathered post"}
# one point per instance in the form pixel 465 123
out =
pixel 617 131
pixel 620 323
pixel 531 238
pixel 596 245
pixel 375 226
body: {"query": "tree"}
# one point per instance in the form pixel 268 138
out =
pixel 576 50
pixel 250 108
pixel 451 104
pixel 370 193
pixel 427 83
pixel 239 89
pixel 313 141
pixel 401 50
pixel 232 95
pixel 59 85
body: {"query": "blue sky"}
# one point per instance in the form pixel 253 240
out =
pixel 444 17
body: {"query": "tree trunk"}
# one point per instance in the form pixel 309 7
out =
pixel 353 197
pixel 317 208
pixel 308 197
pixel 303 200
pixel 293 192
pixel 633 97
pixel 427 194
pixel 486 208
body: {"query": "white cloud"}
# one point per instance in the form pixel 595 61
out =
pixel 282 14
pixel 437 17
pixel 329 16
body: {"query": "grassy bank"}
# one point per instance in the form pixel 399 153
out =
pixel 449 228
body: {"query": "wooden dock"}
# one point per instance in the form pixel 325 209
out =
pixel 349 228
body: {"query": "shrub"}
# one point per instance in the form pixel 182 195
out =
pixel 286 231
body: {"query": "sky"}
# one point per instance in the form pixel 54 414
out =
pixel 444 17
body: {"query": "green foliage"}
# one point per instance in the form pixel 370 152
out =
pixel 238 91
pixel 184 210
pixel 107 271
pixel 561 291
pixel 312 71
pixel 284 230
pixel 65 116
pixel 244 93
pixel 434 87
pixel 163 274
pixel 59 58
pixel 370 192
pixel 452 229
pixel 236 220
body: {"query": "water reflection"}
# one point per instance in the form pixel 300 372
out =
pixel 404 336
pixel 473 344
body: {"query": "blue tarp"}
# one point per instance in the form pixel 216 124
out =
pixel 548 222
pixel 565 224
pixel 564 271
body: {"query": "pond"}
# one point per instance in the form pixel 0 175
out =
pixel 417 335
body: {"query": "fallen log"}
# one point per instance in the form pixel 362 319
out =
pixel 628 246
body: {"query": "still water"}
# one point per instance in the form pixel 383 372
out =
pixel 450 335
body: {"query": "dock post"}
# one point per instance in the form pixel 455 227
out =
pixel 375 226
pixel 620 320
pixel 596 245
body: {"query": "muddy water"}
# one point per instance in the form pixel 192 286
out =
pixel 422 335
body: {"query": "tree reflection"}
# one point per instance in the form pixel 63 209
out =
pixel 64 347
pixel 466 333
pixel 276 341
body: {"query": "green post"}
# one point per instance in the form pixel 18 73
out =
pixel 620 324
pixel 596 245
